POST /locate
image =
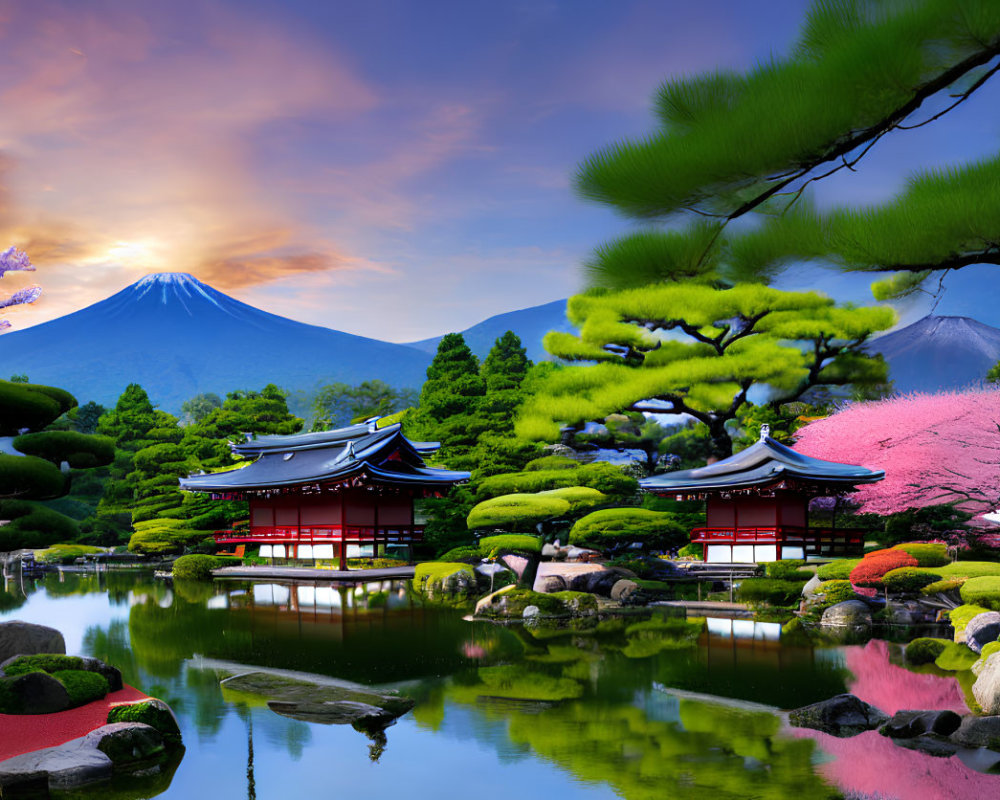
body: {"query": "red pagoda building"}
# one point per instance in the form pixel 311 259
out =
pixel 757 503
pixel 317 495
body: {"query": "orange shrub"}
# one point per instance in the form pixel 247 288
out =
pixel 874 566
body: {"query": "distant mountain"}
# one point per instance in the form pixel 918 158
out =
pixel 936 353
pixel 177 336
pixel 530 324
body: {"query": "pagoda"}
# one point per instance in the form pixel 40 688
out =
pixel 757 503
pixel 321 495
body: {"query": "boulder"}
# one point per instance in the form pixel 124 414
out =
pixel 844 715
pixel 908 724
pixel 986 689
pixel 551 583
pixel 623 590
pixel 848 614
pixel 65 767
pixel 113 675
pixel 581 554
pixel 550 551
pixel 811 587
pixel 982 629
pixel 35 693
pixel 126 743
pixel 516 564
pixel 978 732
pixel 599 582
pixel 26 639
pixel 530 612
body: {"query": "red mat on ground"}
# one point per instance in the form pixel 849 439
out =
pixel 24 733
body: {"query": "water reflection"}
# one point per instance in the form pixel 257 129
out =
pixel 625 709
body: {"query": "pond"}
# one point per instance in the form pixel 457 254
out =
pixel 639 708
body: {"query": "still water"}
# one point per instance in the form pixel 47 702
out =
pixel 638 709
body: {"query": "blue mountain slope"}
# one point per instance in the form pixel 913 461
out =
pixel 937 352
pixel 530 324
pixel 177 336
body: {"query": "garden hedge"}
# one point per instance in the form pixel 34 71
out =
pixel 873 567
pixel 838 569
pixel 983 591
pixel 908 580
pixel 773 592
pixel 928 554
pixel 608 527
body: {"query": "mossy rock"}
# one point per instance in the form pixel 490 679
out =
pixel 45 662
pixel 152 712
pixel 579 603
pixel 925 650
pixel 511 604
pixel 83 687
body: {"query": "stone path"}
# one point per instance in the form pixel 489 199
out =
pixel 25 733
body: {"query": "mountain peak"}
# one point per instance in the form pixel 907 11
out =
pixel 174 278
pixel 176 286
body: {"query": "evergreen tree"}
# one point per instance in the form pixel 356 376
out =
pixel 199 407
pixel 450 403
pixel 733 339
pixel 339 404
pixel 733 144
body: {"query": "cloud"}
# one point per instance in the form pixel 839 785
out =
pixel 131 134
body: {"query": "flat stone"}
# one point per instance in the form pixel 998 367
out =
pixel 37 693
pixel 550 583
pixel 986 689
pixel 908 724
pixel 564 570
pixel 930 744
pixel 67 766
pixel 343 712
pixel 844 715
pixel 28 639
pixel 978 732
pixel 848 614
pixel 982 629
pixel 126 742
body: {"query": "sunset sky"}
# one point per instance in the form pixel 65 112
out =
pixel 391 169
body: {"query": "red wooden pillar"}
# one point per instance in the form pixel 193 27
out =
pixel 343 544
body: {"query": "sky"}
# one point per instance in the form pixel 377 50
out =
pixel 391 169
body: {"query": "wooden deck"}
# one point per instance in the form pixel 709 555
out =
pixel 262 573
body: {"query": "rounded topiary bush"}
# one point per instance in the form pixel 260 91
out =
pixel 789 570
pixel 928 554
pixel 83 687
pixel 838 569
pixel 769 591
pixel 908 580
pixel 943 585
pixel 925 650
pixel 612 527
pixel 873 567
pixel 984 591
pixel 196 567
pixel 836 591
pixel 464 553
pixel 514 542
pixel 516 509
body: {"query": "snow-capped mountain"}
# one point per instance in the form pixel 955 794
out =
pixel 177 336
pixel 936 353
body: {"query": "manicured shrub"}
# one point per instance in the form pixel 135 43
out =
pixel 612 527
pixel 516 510
pixel 550 463
pixel 82 687
pixel 928 554
pixel 908 580
pixel 838 569
pixel 692 550
pixel 64 553
pixel 787 570
pixel 79 450
pixel 32 525
pixel 45 662
pixel 198 567
pixel 956 657
pixel 925 650
pixel 871 569
pixel 984 591
pixel 151 712
pixel 943 585
pixel 757 591
pixel 836 591
pixel 514 542
pixel 464 553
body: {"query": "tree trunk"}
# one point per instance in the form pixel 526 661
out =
pixel 722 444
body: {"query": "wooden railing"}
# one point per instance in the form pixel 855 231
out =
pixel 814 541
pixel 322 534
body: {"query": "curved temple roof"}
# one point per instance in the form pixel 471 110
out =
pixel 385 456
pixel 764 463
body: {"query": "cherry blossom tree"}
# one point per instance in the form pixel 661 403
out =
pixel 934 448
pixel 14 260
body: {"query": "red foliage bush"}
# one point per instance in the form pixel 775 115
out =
pixel 874 565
